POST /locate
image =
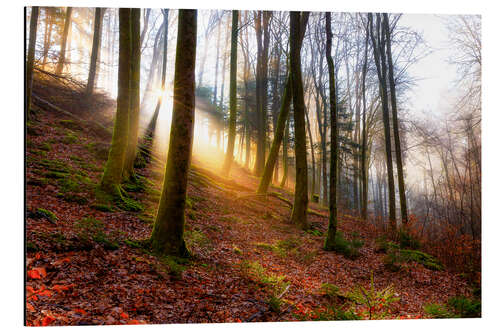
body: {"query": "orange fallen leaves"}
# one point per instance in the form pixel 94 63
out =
pixel 80 311
pixel 48 320
pixel 37 273
pixel 124 315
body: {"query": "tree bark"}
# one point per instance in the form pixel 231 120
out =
pixel 299 211
pixel 167 236
pixel 280 124
pixel 135 93
pixel 96 41
pixel 379 55
pixel 62 54
pixel 332 204
pixel 232 96
pixel 395 125
pixel 31 57
pixel 112 177
pixel 364 169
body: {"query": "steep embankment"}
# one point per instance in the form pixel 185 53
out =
pixel 84 265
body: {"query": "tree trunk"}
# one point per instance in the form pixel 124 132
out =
pixel 62 54
pixel 313 160
pixel 285 154
pixel 278 137
pixel 111 179
pixel 152 124
pixel 232 96
pixel 280 125
pixel 224 59
pixel 364 169
pixel 379 55
pixel 135 93
pixel 47 35
pixel 167 236
pixel 217 49
pixel 152 66
pixel 31 57
pixel 95 51
pixel 332 205
pixel 395 126
pixel 299 211
pixel 145 28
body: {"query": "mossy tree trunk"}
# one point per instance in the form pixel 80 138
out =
pixel 395 124
pixel 167 236
pixel 135 93
pixel 332 204
pixel 378 43
pixel 299 211
pixel 31 57
pixel 62 54
pixel 112 177
pixel 232 95
pixel 96 41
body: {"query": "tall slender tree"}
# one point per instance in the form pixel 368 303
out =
pixel 283 115
pixel 112 176
pixel 364 136
pixel 96 46
pixel 395 123
pixel 62 53
pixel 152 123
pixel 332 204
pixel 232 95
pixel 299 211
pixel 31 57
pixel 167 236
pixel 378 42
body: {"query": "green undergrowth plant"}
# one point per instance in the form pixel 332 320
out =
pixel 42 212
pixel 282 248
pixel 396 256
pixel 275 285
pixel 348 248
pixel 196 238
pixel 437 311
pixel 70 138
pixel 465 307
pixel 328 313
pixel 90 229
pixel 375 303
pixel 331 291
pixel 407 240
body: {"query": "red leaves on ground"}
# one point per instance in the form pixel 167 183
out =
pixel 48 320
pixel 37 273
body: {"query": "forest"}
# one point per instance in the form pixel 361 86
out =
pixel 222 166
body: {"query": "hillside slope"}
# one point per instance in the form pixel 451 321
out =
pixel 85 264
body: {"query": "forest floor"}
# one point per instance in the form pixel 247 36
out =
pixel 85 265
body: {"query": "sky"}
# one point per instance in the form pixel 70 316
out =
pixel 434 89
